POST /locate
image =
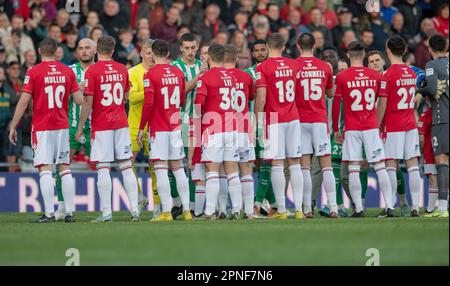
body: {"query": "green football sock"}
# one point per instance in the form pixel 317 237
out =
pixel 59 188
pixel 173 185
pixel 401 186
pixel 263 182
pixel 363 177
pixel 337 174
pixel 270 195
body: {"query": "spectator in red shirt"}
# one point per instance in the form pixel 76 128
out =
pixel 261 6
pixel 441 22
pixel 291 5
pixel 329 18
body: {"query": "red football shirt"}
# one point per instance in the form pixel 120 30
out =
pixel 280 77
pixel 359 88
pixel 107 82
pixel 215 93
pixel 50 84
pixel 245 91
pixel 316 77
pixel 399 86
pixel 424 124
pixel 164 91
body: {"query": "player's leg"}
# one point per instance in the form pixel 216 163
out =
pixel 292 145
pixel 198 176
pixel 248 194
pixel 47 190
pixel 401 191
pixel 234 187
pixel 176 156
pixel 305 162
pixel 322 149
pixel 223 194
pixel 68 190
pixel 375 155
pixel 102 154
pixel 123 155
pixel 192 185
pixel 316 180
pixel 440 135
pixel 231 159
pixel 142 200
pixel 182 181
pixel 411 153
pixel 364 178
pixel 433 193
pixel 442 182
pixel 212 188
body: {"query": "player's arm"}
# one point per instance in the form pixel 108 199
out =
pixel 78 97
pixel 382 99
pixel 86 109
pixel 335 115
pixel 336 112
pixel 260 104
pixel 431 86
pixel 330 88
pixel 381 108
pixel 136 96
pixel 147 108
pixel 21 107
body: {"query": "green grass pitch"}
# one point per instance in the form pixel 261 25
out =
pixel 319 241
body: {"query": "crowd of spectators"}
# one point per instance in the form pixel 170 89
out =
pixel 334 23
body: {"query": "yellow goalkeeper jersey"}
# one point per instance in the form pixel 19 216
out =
pixel 136 97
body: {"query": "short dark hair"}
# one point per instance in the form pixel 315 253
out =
pixel 217 53
pixel 306 41
pixel 374 52
pixel 397 45
pixel 48 47
pixel 189 37
pixel 406 56
pixel 257 42
pixel 105 45
pixel 270 5
pixel 356 49
pixel 231 53
pixel 276 41
pixel 438 43
pixel 366 31
pixel 124 31
pixel 160 48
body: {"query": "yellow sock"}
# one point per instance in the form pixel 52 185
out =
pixel 151 170
pixel 139 186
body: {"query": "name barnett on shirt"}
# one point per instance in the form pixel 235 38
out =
pixel 362 81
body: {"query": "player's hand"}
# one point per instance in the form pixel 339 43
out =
pixel 338 137
pixel 442 86
pixel 13 135
pixel 78 133
pixel 190 165
pixel 82 86
pixel 139 138
pixel 203 68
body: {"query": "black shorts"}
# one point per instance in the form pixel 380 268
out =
pixel 439 137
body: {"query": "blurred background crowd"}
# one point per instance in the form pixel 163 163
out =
pixel 334 23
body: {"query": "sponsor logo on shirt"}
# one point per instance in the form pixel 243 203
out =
pixel 258 75
pixel 26 80
pixel 199 84
pixel 430 71
pixel 146 83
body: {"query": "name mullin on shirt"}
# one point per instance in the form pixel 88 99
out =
pixel 54 77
